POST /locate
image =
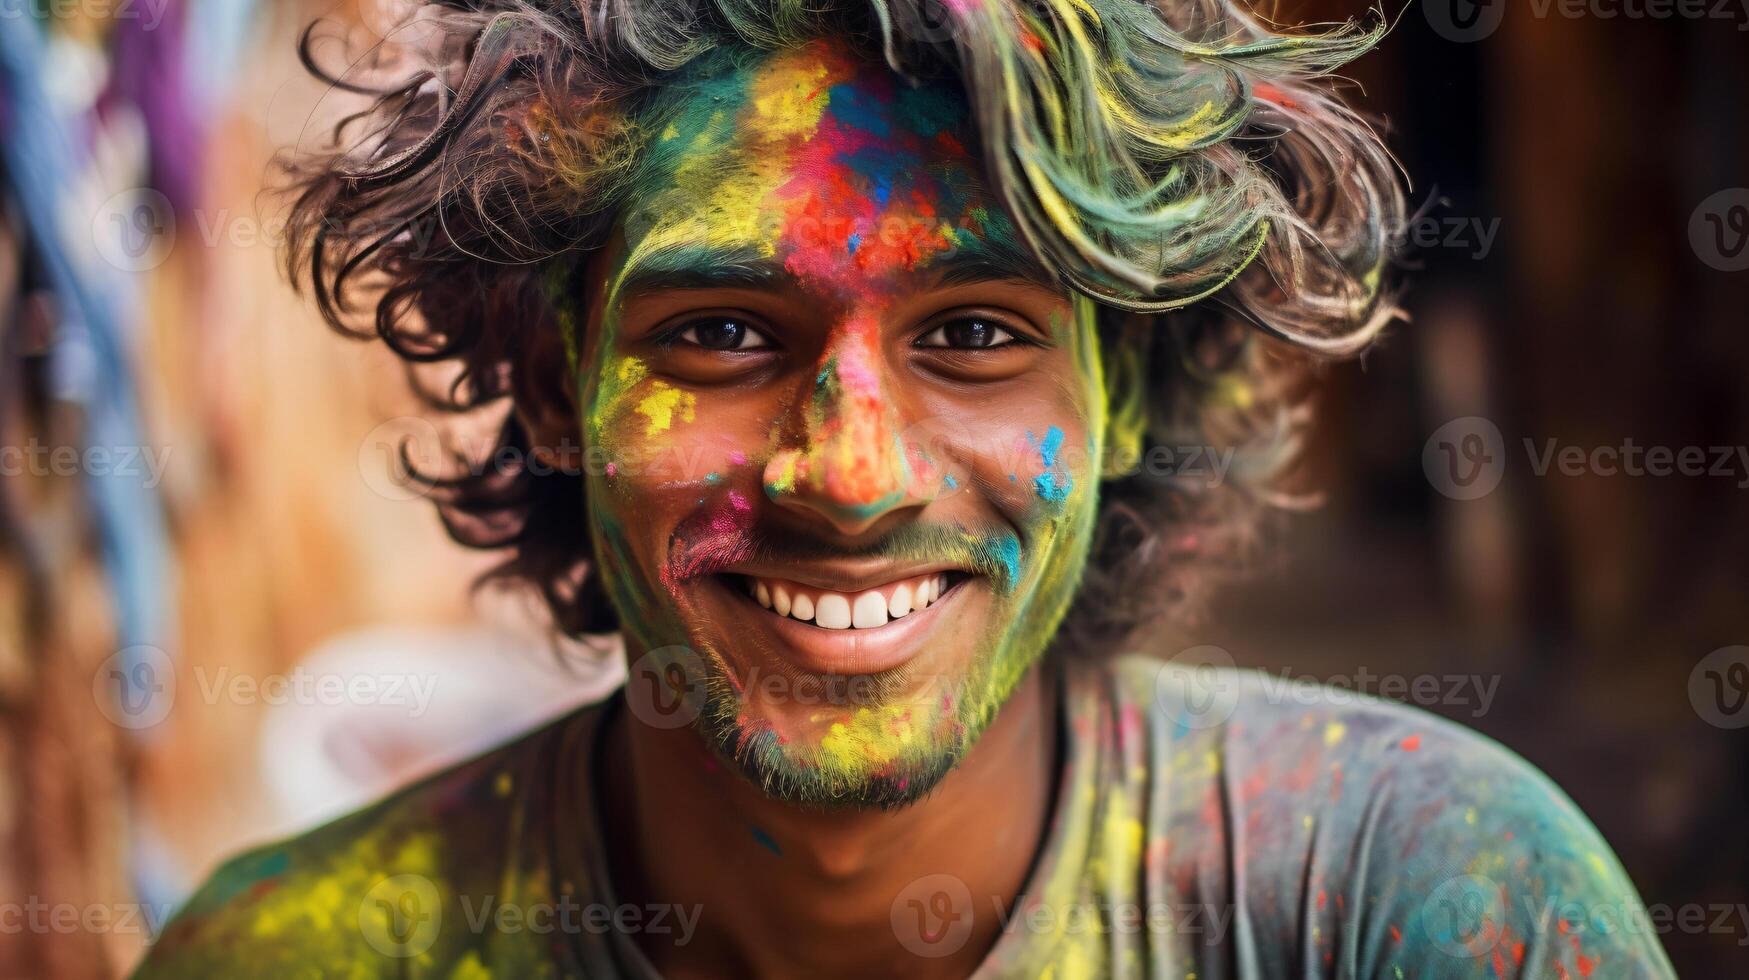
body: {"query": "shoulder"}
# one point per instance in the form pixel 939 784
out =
pixel 350 898
pixel 1350 818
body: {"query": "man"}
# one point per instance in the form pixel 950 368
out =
pixel 833 334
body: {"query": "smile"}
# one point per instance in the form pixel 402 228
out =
pixel 862 610
pixel 844 617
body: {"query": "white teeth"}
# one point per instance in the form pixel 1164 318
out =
pixel 832 612
pixel 900 604
pixel 870 611
pixel 837 611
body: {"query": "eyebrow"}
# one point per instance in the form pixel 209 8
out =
pixel 747 266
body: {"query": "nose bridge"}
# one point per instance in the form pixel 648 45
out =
pixel 850 464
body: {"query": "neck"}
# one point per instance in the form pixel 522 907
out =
pixel 785 891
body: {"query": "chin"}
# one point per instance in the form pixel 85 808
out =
pixel 858 717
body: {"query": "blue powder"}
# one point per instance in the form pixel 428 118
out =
pixel 1046 485
pixel 766 842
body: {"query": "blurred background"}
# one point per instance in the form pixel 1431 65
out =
pixel 224 618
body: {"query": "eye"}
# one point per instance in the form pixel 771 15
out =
pixel 721 333
pixel 968 334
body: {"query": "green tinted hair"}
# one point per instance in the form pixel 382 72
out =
pixel 1182 163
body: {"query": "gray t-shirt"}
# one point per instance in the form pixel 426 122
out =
pixel 1206 827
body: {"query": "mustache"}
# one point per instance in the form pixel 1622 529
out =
pixel 713 541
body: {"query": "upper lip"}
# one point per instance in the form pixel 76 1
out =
pixel 847 575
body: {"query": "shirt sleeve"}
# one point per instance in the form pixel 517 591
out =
pixel 1475 864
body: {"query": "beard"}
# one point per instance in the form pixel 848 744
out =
pixel 846 741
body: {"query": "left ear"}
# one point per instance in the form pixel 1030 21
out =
pixel 544 400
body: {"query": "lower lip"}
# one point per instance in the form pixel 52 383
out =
pixel 849 651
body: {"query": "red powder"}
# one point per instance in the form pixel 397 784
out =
pixel 1412 743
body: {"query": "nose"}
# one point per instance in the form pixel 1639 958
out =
pixel 846 461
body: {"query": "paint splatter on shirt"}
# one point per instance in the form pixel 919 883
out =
pixel 1260 835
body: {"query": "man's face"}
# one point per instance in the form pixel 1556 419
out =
pixel 840 434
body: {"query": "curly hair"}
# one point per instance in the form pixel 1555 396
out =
pixel 1182 163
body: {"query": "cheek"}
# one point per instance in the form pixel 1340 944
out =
pixel 1029 452
pixel 633 418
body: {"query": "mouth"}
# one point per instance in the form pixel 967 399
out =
pixel 863 609
pixel 857 625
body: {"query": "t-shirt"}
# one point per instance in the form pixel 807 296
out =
pixel 1211 828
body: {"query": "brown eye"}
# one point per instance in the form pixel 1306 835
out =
pixel 722 333
pixel 968 334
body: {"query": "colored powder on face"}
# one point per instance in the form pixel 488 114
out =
pixel 950 482
pixel 662 404
pixel 1047 449
pixel 766 842
pixel 738 458
pixel 1046 486
pixel 1007 551
pixel 1051 485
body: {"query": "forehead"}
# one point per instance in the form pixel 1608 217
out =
pixel 820 166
